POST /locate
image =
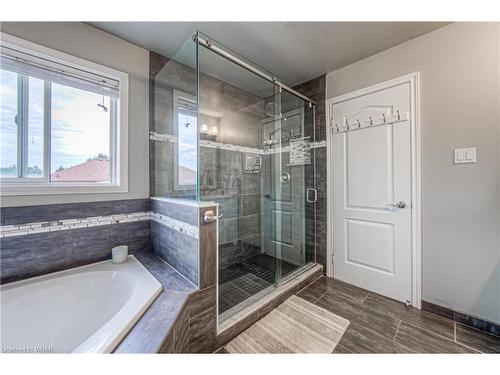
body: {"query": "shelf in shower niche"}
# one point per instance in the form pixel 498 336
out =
pixel 300 151
pixel 299 164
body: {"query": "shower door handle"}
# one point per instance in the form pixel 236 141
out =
pixel 315 195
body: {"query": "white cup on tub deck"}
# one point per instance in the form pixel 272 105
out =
pixel 119 254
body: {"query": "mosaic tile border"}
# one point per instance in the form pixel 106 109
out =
pixel 180 226
pixel 7 231
pixel 154 136
pixel 68 224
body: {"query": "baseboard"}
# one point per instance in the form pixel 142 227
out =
pixel 468 320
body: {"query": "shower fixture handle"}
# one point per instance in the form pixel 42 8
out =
pixel 210 216
pixel 285 178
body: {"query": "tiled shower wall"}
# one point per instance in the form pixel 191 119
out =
pixel 165 76
pixel 178 246
pixel 316 90
pixel 222 178
pixel 238 194
pixel 40 239
pixel 221 171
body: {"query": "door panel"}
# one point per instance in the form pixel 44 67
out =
pixel 371 172
pixel 370 245
pixel 369 157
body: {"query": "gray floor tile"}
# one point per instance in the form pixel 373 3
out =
pixel 478 340
pixel 357 313
pixel 382 325
pixel 422 319
pixel 350 291
pixel 360 339
pixel 423 341
pixel 312 293
pixel 339 349
pixel 241 281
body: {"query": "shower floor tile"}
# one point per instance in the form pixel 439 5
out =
pixel 239 282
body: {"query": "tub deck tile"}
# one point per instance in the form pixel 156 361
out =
pixel 153 329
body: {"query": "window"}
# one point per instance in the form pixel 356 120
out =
pixel 186 130
pixel 63 122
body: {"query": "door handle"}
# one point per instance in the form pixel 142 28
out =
pixel 400 204
pixel 309 190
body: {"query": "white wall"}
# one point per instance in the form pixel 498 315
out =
pixel 89 43
pixel 460 106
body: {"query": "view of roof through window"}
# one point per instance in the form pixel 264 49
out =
pixel 79 130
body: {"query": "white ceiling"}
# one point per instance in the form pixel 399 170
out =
pixel 293 51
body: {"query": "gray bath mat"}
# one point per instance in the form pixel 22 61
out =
pixel 295 326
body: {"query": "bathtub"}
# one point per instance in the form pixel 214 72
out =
pixel 87 309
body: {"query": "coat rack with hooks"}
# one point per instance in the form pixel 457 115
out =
pixel 370 122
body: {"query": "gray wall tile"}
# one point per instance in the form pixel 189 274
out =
pixel 36 254
pixel 182 333
pixel 30 214
pixel 178 211
pixel 202 300
pixel 177 249
pixel 316 229
pixel 203 332
pixel 207 250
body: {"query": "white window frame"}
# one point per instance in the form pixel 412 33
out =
pixel 118 135
pixel 178 95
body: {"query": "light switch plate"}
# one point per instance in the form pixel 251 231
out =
pixel 464 155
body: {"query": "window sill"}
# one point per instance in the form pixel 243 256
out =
pixel 13 189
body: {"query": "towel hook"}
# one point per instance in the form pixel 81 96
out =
pixel 359 124
pixel 371 121
pixel 399 115
pixel 383 115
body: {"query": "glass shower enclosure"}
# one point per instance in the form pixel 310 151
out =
pixel 243 140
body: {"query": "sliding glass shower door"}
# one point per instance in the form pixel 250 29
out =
pixel 289 196
pixel 256 162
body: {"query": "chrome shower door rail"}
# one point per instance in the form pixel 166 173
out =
pixel 207 44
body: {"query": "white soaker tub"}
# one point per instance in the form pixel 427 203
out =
pixel 87 309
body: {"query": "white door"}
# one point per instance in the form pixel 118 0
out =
pixel 372 194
